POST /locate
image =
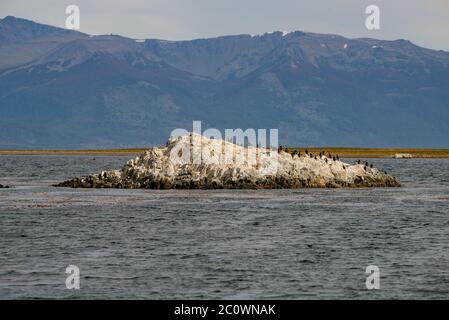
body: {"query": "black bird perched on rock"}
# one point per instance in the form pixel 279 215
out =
pixel 371 165
pixel 344 167
pixel 333 158
pixel 325 159
pixel 358 161
pixel 338 158
pixel 321 155
pixel 366 163
pixel 306 151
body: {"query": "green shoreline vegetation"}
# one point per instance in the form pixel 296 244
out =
pixel 341 152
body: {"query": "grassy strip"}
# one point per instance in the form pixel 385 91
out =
pixel 106 152
pixel 342 152
pixel 376 152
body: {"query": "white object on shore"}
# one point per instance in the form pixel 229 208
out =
pixel 403 156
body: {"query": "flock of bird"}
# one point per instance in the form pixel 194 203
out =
pixel 323 154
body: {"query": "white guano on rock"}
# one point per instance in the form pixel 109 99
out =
pixel 196 162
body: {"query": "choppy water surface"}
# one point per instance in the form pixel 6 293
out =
pixel 292 244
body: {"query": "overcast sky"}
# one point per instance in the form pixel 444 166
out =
pixel 424 22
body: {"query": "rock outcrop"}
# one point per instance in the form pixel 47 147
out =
pixel 196 162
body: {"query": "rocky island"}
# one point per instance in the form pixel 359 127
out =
pixel 193 161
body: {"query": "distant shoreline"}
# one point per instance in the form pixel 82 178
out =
pixel 99 152
pixel 377 152
pixel 341 152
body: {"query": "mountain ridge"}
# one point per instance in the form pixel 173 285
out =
pixel 73 90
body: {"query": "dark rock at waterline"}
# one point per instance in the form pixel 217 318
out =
pixel 4 186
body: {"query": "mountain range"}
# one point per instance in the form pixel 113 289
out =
pixel 66 89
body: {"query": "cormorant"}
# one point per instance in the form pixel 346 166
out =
pixel 371 165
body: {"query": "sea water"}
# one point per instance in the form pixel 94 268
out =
pixel 230 244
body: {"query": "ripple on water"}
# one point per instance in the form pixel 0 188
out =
pixel 236 244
